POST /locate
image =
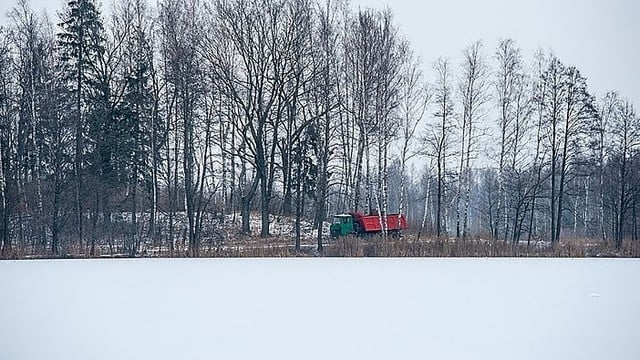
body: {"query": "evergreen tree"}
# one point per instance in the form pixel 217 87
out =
pixel 81 45
pixel 135 116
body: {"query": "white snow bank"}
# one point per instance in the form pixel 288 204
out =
pixel 320 309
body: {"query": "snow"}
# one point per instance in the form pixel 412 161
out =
pixel 320 309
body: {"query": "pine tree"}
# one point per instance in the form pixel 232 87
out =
pixel 134 125
pixel 81 45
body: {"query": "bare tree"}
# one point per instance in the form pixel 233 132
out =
pixel 509 65
pixel 59 138
pixel 415 97
pixel 524 180
pixel 473 93
pixel 185 62
pixel 392 53
pixel 539 101
pixel 439 137
pixel 168 15
pixel 362 43
pixel 6 129
pixel 192 115
pixel 553 84
pixel 568 111
pixel 517 183
pixel 28 39
pixel 252 83
pixel 602 127
pixel 625 137
pixel 325 101
pixel 578 112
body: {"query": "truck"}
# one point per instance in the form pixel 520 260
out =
pixel 359 224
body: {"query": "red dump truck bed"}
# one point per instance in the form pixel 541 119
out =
pixel 371 223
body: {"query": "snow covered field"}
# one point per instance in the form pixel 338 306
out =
pixel 320 309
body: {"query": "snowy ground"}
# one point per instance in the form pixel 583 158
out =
pixel 320 309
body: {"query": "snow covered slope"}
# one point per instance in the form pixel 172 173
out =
pixel 320 309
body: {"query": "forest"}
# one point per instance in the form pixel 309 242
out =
pixel 156 125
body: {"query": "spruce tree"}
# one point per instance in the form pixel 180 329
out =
pixel 81 45
pixel 135 122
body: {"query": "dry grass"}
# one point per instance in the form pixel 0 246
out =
pixel 409 247
pixel 406 246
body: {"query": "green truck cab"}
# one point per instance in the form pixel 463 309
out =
pixel 342 225
pixel 360 224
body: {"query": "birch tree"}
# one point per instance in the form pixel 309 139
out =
pixel 473 88
pixel 509 64
pixel 325 100
pixel 59 137
pixel 28 36
pixel 625 138
pixel 602 127
pixel 517 182
pixel 415 98
pixel 362 46
pixel 391 51
pixel 539 101
pixel 440 137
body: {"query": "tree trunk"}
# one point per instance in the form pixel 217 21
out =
pixel 553 202
pixel 299 200
pixel 188 169
pixel 6 240
pixel 635 218
pixel 134 209
pixel 563 172
pixel 426 206
pixel 246 200
pixel 77 164
pixel 154 171
pixel 246 208
pixel 94 223
pixel 440 193
pixel 358 176
pixel 287 198
pixel 264 208
pixel 55 214
pixel 461 170
pixel 322 184
pixel 622 199
pixel 603 231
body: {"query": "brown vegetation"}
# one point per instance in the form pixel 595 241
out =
pixel 352 246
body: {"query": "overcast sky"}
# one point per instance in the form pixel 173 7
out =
pixel 600 37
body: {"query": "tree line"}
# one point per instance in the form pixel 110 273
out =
pixel 161 122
